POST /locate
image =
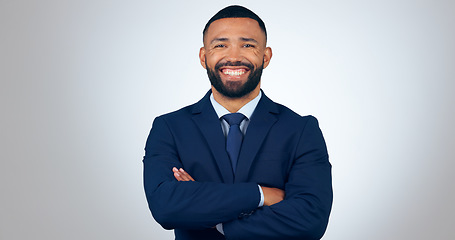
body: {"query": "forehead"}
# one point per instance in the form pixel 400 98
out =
pixel 235 27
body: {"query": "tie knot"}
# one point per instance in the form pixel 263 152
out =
pixel 234 118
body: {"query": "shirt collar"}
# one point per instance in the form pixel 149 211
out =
pixel 246 110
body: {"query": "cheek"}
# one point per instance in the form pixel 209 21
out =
pixel 256 57
pixel 212 60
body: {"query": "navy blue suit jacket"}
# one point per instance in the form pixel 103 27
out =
pixel 280 149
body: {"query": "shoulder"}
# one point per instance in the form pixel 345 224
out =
pixel 188 111
pixel 288 116
pixel 282 112
pixel 176 117
pixel 178 113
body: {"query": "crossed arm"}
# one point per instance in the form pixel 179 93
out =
pixel 271 195
pixel 302 214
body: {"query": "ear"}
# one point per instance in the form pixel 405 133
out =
pixel 267 56
pixel 202 56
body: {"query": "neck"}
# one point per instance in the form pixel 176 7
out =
pixel 234 104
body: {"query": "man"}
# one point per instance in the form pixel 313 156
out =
pixel 266 176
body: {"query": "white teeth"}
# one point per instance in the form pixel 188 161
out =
pixel 234 72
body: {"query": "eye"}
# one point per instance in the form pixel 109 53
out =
pixel 248 45
pixel 219 46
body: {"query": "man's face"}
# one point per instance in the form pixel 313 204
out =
pixel 234 55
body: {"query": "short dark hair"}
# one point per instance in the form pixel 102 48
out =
pixel 235 11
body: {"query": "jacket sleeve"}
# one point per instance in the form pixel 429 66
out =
pixel 188 205
pixel 304 212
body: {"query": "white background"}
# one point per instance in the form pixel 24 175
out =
pixel 81 82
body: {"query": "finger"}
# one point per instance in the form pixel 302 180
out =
pixel 181 175
pixel 186 175
pixel 178 176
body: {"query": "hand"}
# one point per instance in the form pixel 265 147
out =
pixel 181 175
pixel 272 195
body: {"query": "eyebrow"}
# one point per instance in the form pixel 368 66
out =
pixel 248 40
pixel 244 39
pixel 218 40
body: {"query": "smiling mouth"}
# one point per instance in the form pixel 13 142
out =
pixel 234 72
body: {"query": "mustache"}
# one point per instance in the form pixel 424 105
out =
pixel 233 64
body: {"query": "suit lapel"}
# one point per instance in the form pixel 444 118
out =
pixel 262 120
pixel 204 116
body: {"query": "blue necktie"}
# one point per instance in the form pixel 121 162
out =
pixel 234 137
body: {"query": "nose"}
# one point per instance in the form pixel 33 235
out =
pixel 234 54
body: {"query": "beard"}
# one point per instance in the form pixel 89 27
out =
pixel 235 89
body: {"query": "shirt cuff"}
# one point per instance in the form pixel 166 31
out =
pixel 219 227
pixel 261 203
